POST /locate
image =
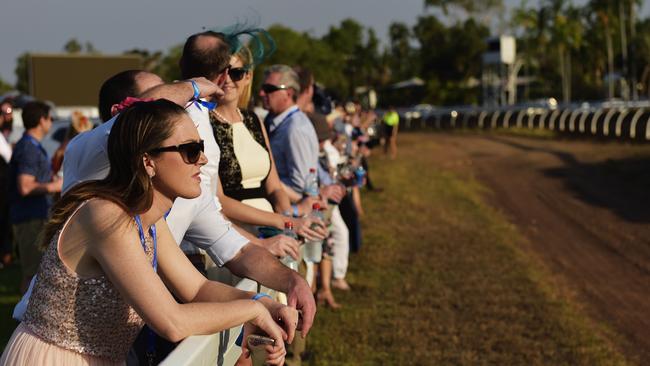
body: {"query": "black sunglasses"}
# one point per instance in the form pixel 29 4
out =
pixel 270 88
pixel 237 73
pixel 190 151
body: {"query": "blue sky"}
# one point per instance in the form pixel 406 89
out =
pixel 117 25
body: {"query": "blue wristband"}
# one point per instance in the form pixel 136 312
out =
pixel 261 295
pixel 295 210
pixel 195 87
pixel 240 338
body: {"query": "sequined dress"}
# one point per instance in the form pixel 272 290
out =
pixel 72 320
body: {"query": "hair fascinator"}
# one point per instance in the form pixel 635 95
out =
pixel 259 42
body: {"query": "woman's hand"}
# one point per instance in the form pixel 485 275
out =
pixel 306 204
pixel 334 192
pixel 281 246
pixel 310 228
pixel 286 316
pixel 264 322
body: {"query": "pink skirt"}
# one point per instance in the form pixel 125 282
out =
pixel 25 348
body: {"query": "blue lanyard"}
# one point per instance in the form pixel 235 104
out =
pixel 275 127
pixel 151 347
pixel 199 102
pixel 152 232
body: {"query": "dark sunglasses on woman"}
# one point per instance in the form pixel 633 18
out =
pixel 190 151
pixel 237 73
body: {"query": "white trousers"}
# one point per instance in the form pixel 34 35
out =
pixel 341 240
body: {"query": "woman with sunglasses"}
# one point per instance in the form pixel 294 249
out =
pixel 250 190
pixel 110 258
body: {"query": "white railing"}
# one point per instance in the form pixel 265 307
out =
pixel 219 349
pixel 216 349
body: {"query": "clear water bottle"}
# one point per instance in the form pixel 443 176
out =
pixel 313 250
pixel 359 173
pixel 288 260
pixel 311 183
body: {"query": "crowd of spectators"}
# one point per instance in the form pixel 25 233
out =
pixel 279 173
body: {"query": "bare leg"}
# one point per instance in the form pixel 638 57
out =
pixel 325 293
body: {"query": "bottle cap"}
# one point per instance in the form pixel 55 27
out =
pixel 288 225
pixel 316 206
pixel 312 170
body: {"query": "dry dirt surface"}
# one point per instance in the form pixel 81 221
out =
pixel 584 207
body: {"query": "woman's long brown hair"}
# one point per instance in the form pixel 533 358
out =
pixel 139 129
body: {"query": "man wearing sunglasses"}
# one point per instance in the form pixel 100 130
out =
pixel 203 56
pixel 291 133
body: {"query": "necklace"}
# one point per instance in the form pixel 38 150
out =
pixel 224 119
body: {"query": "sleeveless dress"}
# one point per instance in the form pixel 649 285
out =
pixel 245 160
pixel 72 320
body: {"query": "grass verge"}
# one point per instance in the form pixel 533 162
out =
pixel 442 280
pixel 9 296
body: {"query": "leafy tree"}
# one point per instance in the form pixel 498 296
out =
pixel 401 60
pixel 566 33
pixel 294 48
pixel 5 86
pixel 470 6
pixel 347 41
pixel 642 55
pixel 151 60
pixel 72 46
pixel 90 48
pixel 166 66
pixel 22 73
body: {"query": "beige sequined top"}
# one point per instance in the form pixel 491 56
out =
pixel 86 315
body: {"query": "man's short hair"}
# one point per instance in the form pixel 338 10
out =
pixel 288 77
pixel 33 112
pixel 305 77
pixel 198 60
pixel 115 89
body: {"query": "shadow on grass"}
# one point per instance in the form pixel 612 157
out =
pixel 620 186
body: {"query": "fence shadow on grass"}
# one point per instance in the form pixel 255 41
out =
pixel 619 185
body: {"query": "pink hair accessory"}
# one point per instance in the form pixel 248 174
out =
pixel 129 101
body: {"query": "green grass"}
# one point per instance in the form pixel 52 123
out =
pixel 9 296
pixel 442 279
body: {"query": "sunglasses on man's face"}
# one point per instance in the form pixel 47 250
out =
pixel 190 151
pixel 270 88
pixel 237 73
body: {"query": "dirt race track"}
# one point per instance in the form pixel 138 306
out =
pixel 585 208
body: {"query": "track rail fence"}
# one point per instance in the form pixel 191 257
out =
pixel 606 121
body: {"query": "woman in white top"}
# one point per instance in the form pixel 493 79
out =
pixel 250 190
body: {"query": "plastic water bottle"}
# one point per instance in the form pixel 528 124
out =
pixel 359 173
pixel 311 183
pixel 313 250
pixel 288 260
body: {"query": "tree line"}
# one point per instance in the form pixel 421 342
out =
pixel 595 51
